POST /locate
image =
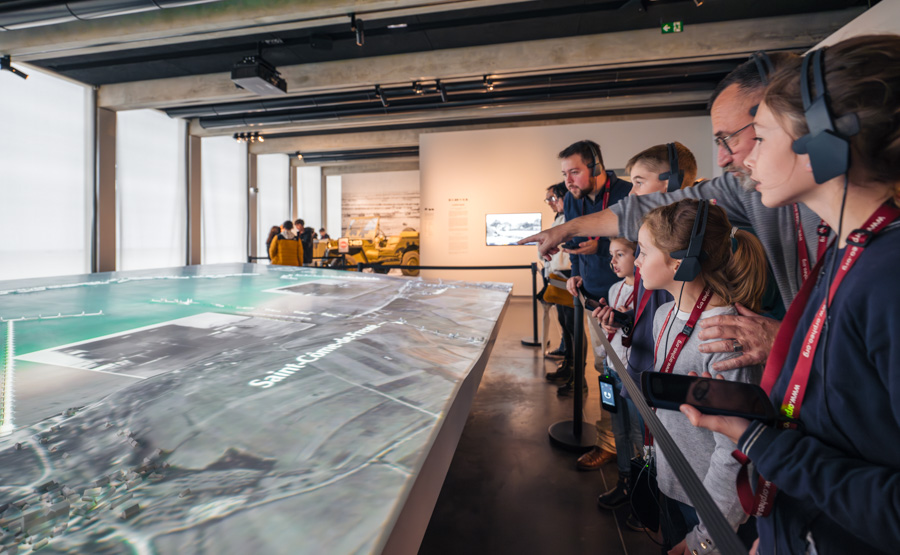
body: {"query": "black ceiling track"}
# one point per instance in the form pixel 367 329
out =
pixel 697 108
pixel 360 154
pixel 698 76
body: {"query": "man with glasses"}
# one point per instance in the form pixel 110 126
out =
pixel 730 112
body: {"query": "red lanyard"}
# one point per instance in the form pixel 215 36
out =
pixel 760 503
pixel 644 299
pixel 628 303
pixel 802 251
pixel 626 340
pixel 680 340
pixel 683 336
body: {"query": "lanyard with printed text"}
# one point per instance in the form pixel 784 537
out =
pixel 680 340
pixel 802 251
pixel 760 502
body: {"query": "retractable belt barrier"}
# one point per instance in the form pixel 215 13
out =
pixel 724 537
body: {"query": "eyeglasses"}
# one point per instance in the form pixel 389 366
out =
pixel 551 199
pixel 723 141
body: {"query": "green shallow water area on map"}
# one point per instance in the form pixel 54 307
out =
pixel 225 408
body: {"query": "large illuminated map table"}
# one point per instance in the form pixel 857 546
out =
pixel 233 408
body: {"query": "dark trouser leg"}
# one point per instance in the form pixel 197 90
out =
pixel 676 519
pixel 566 317
pixel 621 428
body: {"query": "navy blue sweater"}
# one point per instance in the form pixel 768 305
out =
pixel 839 477
pixel 594 268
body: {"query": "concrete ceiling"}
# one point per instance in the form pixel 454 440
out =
pixel 182 57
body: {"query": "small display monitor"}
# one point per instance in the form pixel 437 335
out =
pixel 508 229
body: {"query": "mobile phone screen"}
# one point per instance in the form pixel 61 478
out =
pixel 607 394
pixel 710 396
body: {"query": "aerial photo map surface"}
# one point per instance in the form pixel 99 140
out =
pixel 232 408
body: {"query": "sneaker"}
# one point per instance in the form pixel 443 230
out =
pixel 615 497
pixel 594 459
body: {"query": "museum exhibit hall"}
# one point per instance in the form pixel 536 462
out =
pixel 362 276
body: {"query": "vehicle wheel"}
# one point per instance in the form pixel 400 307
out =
pixel 410 258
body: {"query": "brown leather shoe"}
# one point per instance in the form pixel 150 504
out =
pixel 594 459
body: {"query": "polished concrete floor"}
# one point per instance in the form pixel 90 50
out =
pixel 508 490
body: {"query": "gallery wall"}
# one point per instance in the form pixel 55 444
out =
pixel 467 174
pixel 393 195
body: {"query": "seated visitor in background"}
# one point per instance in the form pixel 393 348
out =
pixel 323 235
pixel 731 270
pixel 285 249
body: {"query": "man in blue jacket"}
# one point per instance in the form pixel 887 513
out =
pixel 591 189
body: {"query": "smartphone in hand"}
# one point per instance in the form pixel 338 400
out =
pixel 709 396
pixel 621 318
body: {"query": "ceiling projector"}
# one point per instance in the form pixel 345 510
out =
pixel 258 76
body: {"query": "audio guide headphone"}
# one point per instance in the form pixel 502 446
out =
pixel 693 255
pixel 595 165
pixel 827 142
pixel 674 175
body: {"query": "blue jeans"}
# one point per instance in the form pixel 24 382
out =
pixel 626 427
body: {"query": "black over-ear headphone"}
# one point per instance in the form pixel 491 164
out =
pixel 827 142
pixel 764 66
pixel 595 165
pixel 674 175
pixel 694 254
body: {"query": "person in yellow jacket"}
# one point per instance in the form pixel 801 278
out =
pixel 286 249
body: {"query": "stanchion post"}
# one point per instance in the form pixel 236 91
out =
pixel 571 434
pixel 359 267
pixel 578 381
pixel 534 341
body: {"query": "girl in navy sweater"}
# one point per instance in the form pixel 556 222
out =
pixel 828 480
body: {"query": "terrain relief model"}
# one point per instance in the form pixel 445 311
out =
pixel 225 408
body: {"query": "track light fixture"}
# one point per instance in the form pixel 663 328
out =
pixel 441 89
pixel 6 64
pixel 488 83
pixel 380 95
pixel 356 25
pixel 417 87
pixel 249 137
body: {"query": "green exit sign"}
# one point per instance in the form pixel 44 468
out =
pixel 671 27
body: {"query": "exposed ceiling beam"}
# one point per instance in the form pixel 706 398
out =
pixel 706 41
pixel 208 22
pixel 474 115
pixel 410 137
pixel 369 167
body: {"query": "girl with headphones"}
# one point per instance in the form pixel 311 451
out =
pixel 690 249
pixel 827 478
